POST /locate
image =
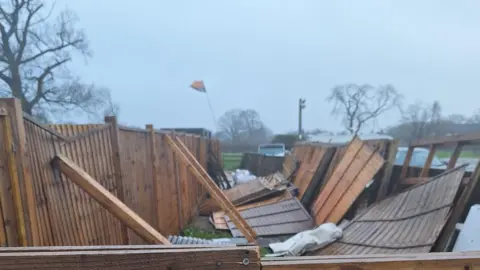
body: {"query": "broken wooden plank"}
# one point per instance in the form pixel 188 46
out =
pixel 423 208
pixel 385 181
pixel 318 178
pixel 428 161
pixel 286 217
pixel 406 162
pixel 307 170
pixel 455 155
pixel 413 180
pixel 83 180
pixel 202 176
pixel 357 167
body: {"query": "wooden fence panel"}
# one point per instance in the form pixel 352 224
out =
pixel 169 222
pixel 138 190
pixel 67 215
pixel 118 158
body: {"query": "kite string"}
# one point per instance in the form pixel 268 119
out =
pixel 211 110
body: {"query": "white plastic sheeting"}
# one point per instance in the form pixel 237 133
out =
pixel 242 176
pixel 307 241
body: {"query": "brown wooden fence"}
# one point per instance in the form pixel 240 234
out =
pixel 40 206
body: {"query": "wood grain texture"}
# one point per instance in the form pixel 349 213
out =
pixel 109 201
pixel 114 143
pixel 357 167
pixel 58 212
pixel 155 258
pixel 14 179
pixel 203 177
pixel 408 222
pixel 307 170
pixel 9 220
pixel 450 261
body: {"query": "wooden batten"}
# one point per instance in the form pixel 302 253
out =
pixel 201 175
pixel 108 200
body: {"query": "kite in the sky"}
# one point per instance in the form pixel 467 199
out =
pixel 199 86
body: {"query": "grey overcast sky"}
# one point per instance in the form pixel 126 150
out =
pixel 266 54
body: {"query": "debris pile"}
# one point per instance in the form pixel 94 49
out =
pixel 345 199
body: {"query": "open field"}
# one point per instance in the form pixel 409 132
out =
pixel 231 161
pixel 464 154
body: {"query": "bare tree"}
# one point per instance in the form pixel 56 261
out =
pixel 457 119
pixel 423 120
pixel 231 125
pixel 34 52
pixel 360 104
pixel 475 118
pixel 244 126
pixel 112 108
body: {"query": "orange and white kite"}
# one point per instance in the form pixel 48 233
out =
pixel 199 86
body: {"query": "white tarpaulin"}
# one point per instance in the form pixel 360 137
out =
pixel 307 241
pixel 242 176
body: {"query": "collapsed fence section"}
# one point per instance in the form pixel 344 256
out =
pixel 41 206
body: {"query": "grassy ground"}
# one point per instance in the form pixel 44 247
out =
pixel 199 233
pixel 231 161
pixel 464 154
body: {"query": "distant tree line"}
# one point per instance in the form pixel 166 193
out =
pixel 358 107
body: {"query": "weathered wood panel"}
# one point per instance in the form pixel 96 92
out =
pixel 135 165
pixel 450 261
pixel 357 167
pixel 118 258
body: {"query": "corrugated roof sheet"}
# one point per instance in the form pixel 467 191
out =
pixel 280 218
pixel 187 240
pixel 409 222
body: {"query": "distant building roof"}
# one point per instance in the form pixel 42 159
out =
pixel 342 139
pixel 198 131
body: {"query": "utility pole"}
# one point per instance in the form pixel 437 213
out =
pixel 301 107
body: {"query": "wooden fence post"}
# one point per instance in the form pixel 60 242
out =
pixel 152 144
pixel 21 184
pixel 117 167
pixel 9 220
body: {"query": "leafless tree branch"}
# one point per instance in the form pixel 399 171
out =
pixel 34 54
pixel 360 104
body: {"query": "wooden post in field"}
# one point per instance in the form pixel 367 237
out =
pixel 117 166
pixel 152 144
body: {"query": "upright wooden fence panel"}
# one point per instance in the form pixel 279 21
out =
pixel 136 183
pixel 66 214
pixel 136 165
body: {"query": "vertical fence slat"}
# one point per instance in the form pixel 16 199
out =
pixel 7 200
pixel 137 166
pixel 117 167
pixel 25 186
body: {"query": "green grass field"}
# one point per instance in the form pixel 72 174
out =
pixel 464 154
pixel 231 161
